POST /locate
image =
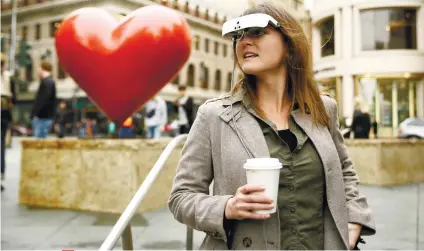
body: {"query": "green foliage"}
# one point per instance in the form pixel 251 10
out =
pixel 24 58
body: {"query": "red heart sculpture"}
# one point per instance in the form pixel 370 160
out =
pixel 121 66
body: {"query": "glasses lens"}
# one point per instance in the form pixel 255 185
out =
pixel 238 35
pixel 255 32
pixel 250 32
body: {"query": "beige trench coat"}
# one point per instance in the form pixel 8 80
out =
pixel 213 152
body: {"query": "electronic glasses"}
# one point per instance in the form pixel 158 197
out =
pixel 252 25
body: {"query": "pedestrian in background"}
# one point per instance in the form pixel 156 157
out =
pixel 184 104
pixel 45 103
pixel 126 129
pixel 61 115
pixel 275 111
pixel 7 101
pixel 361 123
pixel 111 128
pixel 156 117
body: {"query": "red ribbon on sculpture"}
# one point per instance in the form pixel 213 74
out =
pixel 120 66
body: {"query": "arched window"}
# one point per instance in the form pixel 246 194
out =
pixel 204 76
pixel 217 80
pixel 176 80
pixel 190 76
pixel 206 45
pixel 228 82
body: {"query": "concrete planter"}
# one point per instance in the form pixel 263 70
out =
pixel 100 175
pixel 388 162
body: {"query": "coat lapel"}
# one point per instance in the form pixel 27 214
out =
pixel 323 142
pixel 318 135
pixel 246 126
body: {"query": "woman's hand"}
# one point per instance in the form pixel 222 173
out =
pixel 247 199
pixel 354 231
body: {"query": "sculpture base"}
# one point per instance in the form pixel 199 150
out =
pixel 388 162
pixel 99 175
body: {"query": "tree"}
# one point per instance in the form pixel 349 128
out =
pixel 24 57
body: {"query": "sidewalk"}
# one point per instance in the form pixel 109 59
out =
pixel 395 211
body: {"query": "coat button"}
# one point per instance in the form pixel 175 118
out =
pixel 291 187
pixel 292 209
pixel 293 230
pixel 247 242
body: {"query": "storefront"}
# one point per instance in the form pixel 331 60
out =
pixel 369 54
pixel 390 100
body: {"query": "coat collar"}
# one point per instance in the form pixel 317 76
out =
pixel 251 132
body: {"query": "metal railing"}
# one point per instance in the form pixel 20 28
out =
pixel 122 226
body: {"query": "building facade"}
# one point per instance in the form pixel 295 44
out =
pixel 207 74
pixel 371 53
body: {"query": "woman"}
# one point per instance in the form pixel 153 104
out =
pixel 275 111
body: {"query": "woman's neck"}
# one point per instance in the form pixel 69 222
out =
pixel 272 93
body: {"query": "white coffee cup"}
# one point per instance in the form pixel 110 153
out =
pixel 264 172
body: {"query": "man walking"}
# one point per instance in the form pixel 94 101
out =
pixel 185 110
pixel 361 123
pixel 44 108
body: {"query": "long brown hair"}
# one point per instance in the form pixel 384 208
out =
pixel 301 86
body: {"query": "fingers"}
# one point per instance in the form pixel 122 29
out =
pixel 256 198
pixel 247 199
pixel 246 189
pixel 354 232
pixel 253 194
pixel 253 206
pixel 254 216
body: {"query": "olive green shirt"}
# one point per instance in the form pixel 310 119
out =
pixel 301 189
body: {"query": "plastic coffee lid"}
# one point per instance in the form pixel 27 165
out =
pixel 263 163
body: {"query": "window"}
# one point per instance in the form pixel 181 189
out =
pixel 37 32
pixel 416 122
pixel 229 82
pixel 53 27
pixel 295 4
pixel 385 99
pixel 206 45
pixel 224 51
pixel 204 76
pixel 326 29
pixel 196 41
pixel 216 48
pixel 389 28
pixel 217 86
pixel 402 99
pixel 25 33
pixel 190 76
